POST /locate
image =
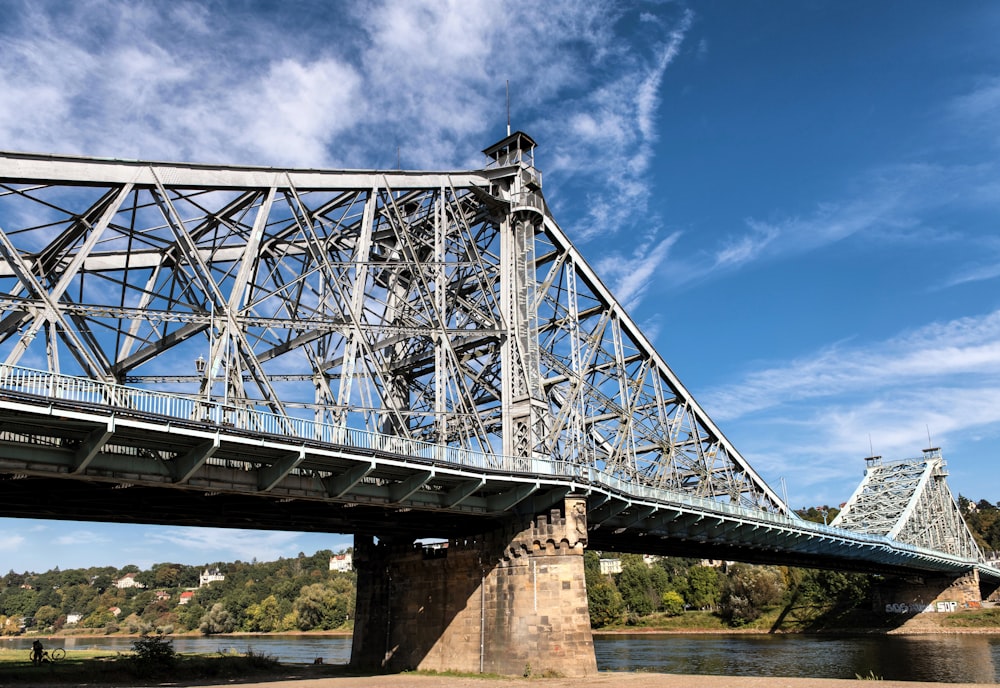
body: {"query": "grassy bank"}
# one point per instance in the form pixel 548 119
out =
pixel 102 668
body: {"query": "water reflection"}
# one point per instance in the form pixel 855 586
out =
pixel 945 658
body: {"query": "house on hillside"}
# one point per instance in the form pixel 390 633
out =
pixel 185 597
pixel 209 576
pixel 609 566
pixel 73 617
pixel 342 562
pixel 161 595
pixel 128 581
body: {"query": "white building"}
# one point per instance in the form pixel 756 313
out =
pixel 209 576
pixel 128 581
pixel 342 562
pixel 609 566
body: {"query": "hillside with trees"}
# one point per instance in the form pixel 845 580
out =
pixel 300 594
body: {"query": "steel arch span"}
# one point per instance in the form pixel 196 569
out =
pixel 445 307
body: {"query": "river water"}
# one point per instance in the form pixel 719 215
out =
pixel 944 658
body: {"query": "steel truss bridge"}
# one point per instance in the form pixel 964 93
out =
pixel 414 354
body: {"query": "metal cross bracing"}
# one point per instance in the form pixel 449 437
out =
pixel 909 501
pixel 444 307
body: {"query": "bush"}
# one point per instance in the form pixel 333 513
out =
pixel 152 654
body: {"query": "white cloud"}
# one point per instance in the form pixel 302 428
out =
pixel 888 209
pixel 969 346
pixel 980 109
pixel 80 538
pixel 610 137
pixel 812 419
pixel 11 543
pixel 224 543
pixel 630 276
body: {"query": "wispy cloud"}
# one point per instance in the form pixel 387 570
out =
pixel 630 276
pixel 889 208
pixel 969 346
pixel 11 543
pixel 80 538
pixel 223 543
pixel 803 418
pixel 616 125
pixel 980 109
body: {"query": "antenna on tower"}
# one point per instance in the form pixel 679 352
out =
pixel 929 443
pixel 508 107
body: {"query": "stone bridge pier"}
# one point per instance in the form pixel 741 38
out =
pixel 510 602
pixel 911 595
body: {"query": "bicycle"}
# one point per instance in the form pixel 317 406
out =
pixel 47 656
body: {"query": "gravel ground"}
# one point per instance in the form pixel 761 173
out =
pixel 601 680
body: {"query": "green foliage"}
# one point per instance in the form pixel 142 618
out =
pixel 704 587
pixel 605 604
pixel 673 603
pixel 636 586
pixel 819 514
pixel 152 654
pixel 258 596
pixel 325 606
pixel 748 590
pixel 217 620
pixel 264 617
pixel 870 676
pixel 983 520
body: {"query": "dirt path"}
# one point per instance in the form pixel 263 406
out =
pixel 601 680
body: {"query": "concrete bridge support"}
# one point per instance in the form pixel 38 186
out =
pixel 928 593
pixel 510 602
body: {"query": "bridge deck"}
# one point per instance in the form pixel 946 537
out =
pixel 81 449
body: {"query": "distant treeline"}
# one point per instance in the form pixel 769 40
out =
pixel 299 594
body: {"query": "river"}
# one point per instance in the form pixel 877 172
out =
pixel 943 658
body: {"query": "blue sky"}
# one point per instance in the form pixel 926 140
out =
pixel 799 201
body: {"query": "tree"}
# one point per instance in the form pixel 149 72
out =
pixel 217 620
pixel 605 603
pixel 190 615
pixel 324 605
pixel 166 575
pixel 673 603
pixel 46 616
pixel 636 586
pixel 703 587
pixel 748 590
pixel 9 625
pixel 264 616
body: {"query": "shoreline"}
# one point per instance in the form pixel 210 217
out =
pixel 638 630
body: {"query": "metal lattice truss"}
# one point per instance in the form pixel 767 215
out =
pixel 446 307
pixel 909 501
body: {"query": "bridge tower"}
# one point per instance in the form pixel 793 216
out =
pixel 512 600
pixel 525 415
pixel 910 502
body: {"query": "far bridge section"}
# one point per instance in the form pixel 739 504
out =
pixel 398 355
